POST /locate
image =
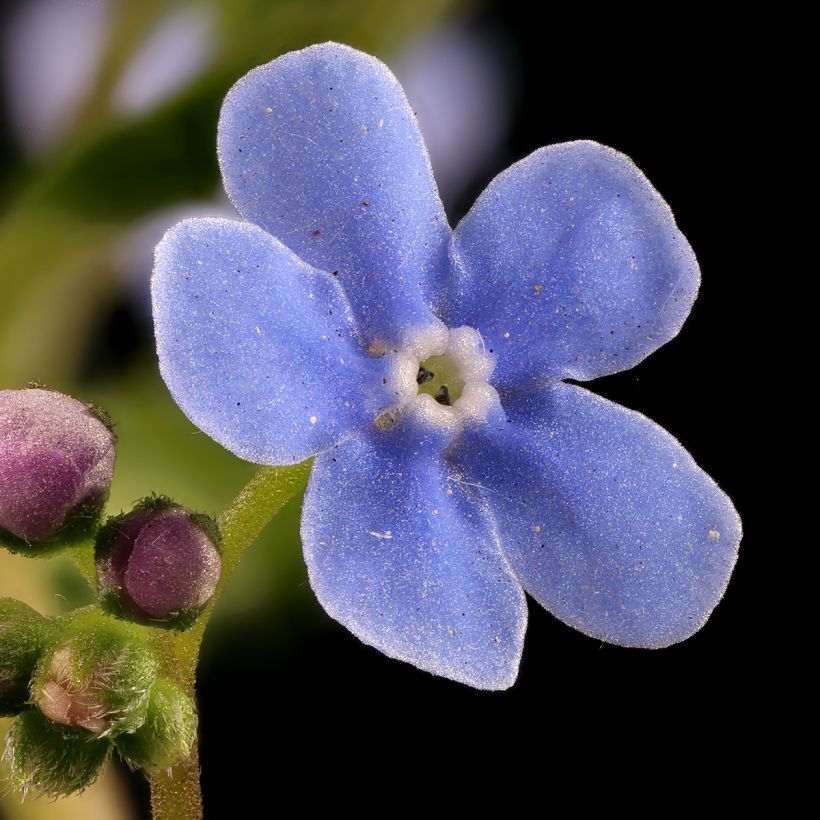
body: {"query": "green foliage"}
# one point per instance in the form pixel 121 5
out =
pixel 24 634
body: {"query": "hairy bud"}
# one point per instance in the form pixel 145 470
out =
pixel 97 676
pixel 51 760
pixel 56 465
pixel 168 734
pixel 158 564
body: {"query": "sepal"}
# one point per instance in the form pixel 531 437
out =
pixel 168 734
pixel 51 760
pixel 96 675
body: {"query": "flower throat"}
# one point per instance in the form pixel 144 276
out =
pixel 439 377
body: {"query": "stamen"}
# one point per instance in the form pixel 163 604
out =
pixel 443 396
pixel 424 375
pixel 444 383
pixel 442 377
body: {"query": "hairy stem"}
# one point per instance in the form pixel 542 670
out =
pixel 176 795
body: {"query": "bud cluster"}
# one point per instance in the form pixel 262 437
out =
pixel 81 686
pixel 158 564
pixel 87 683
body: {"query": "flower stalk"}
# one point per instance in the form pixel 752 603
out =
pixel 176 794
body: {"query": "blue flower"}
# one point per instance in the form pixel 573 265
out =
pixel 424 367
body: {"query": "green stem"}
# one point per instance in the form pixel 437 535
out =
pixel 83 557
pixel 176 795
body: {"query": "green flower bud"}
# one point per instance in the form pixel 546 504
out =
pixel 168 734
pixel 51 760
pixel 96 676
pixel 24 634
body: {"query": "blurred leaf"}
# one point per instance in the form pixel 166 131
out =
pixel 53 279
pixel 53 244
pixel 131 24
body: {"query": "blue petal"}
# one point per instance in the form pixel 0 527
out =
pixel 320 147
pixel 606 519
pixel 258 348
pixel 571 266
pixel 399 554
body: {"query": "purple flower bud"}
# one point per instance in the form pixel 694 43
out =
pixel 159 564
pixel 56 465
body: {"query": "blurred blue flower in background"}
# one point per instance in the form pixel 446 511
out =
pixel 461 83
pixel 50 55
pixel 53 52
pixel 424 368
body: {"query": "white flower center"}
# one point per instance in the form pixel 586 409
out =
pixel 441 376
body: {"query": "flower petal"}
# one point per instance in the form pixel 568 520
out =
pixel 571 266
pixel 606 519
pixel 321 148
pixel 400 555
pixel 258 348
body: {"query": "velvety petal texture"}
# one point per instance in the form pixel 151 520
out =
pixel 259 349
pixel 321 148
pixel 404 558
pixel 570 265
pixel 605 518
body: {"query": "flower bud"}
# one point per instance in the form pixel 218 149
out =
pixel 168 734
pixel 23 637
pixel 158 564
pixel 96 676
pixel 56 465
pixel 51 760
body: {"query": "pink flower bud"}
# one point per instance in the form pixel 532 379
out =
pixel 56 465
pixel 159 564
